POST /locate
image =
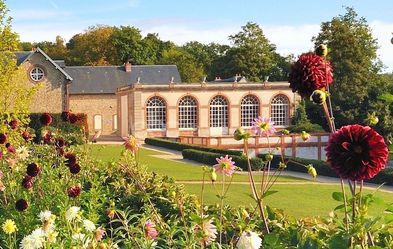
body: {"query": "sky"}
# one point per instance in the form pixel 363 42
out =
pixel 289 24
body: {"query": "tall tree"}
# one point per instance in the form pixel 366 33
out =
pixel 93 47
pixel 15 93
pixel 353 54
pixel 127 42
pixel 254 56
pixel 56 50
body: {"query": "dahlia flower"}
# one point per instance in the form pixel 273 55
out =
pixel 225 165
pixel 21 205
pixel 75 169
pixel 65 116
pixel 89 225
pixel 131 144
pixel 311 72
pixel 13 124
pixel 356 152
pixel 150 230
pixel 26 135
pixel 263 126
pixel 46 119
pixel 3 138
pixel 99 234
pixel 74 191
pixel 249 240
pixel 10 148
pixel 72 213
pixel 70 159
pixel 209 231
pixel 22 153
pixel 73 118
pixel 9 226
pixel 27 182
pixel 33 169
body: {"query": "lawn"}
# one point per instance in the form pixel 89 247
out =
pixel 297 197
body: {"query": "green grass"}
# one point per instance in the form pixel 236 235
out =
pixel 295 200
pixel 297 197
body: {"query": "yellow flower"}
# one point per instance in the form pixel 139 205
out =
pixel 311 170
pixel 9 226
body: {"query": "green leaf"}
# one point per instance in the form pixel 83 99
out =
pixel 339 207
pixel 338 196
pixel 270 239
pixel 388 218
pixel 338 241
pixel 270 192
pixel 389 209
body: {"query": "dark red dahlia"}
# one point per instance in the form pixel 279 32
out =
pixel 10 148
pixel 70 159
pixel 27 182
pixel 26 136
pixel 47 137
pixel 59 142
pixel 60 151
pixel 65 116
pixel 74 191
pixel 46 119
pixel 311 72
pixel 13 124
pixel 3 138
pixel 21 205
pixel 75 169
pixel 356 152
pixel 73 118
pixel 33 169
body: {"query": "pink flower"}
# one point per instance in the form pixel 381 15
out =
pixel 225 165
pixel 209 231
pixel 263 126
pixel 150 230
pixel 99 234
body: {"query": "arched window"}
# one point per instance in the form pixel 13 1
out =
pixel 97 122
pixel 156 114
pixel 249 110
pixel 188 113
pixel 279 111
pixel 218 112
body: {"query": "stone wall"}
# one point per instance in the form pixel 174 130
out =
pixel 50 98
pixel 97 104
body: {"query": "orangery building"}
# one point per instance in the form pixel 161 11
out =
pixel 151 100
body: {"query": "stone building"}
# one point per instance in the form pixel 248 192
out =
pixel 151 100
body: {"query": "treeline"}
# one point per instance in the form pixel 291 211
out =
pixel 251 53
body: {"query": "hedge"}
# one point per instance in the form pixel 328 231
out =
pixel 77 133
pixel 295 164
pixel 209 158
pixel 180 146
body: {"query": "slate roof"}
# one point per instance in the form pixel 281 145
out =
pixel 106 79
pixel 22 57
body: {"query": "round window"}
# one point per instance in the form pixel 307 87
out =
pixel 37 74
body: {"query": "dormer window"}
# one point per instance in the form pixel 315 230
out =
pixel 37 74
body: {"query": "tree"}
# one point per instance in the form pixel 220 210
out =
pixel 93 47
pixel 127 42
pixel 15 94
pixel 189 69
pixel 56 50
pixel 253 55
pixel 353 54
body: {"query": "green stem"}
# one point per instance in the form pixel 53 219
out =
pixel 345 205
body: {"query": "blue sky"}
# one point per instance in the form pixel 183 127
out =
pixel 289 24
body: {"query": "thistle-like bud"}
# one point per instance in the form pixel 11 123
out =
pixel 241 134
pixel 269 157
pixel 213 175
pixel 318 97
pixel 305 136
pixel 321 50
pixel 311 170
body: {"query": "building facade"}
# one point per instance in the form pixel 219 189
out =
pixel 151 101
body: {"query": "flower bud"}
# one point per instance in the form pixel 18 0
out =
pixel 285 132
pixel 269 157
pixel 241 134
pixel 311 170
pixel 282 166
pixel 213 175
pixel 321 50
pixel 372 119
pixel 305 136
pixel 318 97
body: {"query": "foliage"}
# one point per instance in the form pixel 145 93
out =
pixel 353 54
pixel 74 134
pixel 180 146
pixel 8 38
pixel 209 158
pixel 301 122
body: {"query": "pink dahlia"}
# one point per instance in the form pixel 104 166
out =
pixel 311 72
pixel 27 182
pixel 225 165
pixel 26 136
pixel 209 231
pixel 46 119
pixel 150 230
pixel 131 144
pixel 263 126
pixel 357 152
pixel 99 234
pixel 74 191
pixel 13 124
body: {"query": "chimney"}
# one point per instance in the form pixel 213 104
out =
pixel 127 66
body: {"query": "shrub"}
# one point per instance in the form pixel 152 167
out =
pixel 180 146
pixel 209 158
pixel 72 133
pixel 296 164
